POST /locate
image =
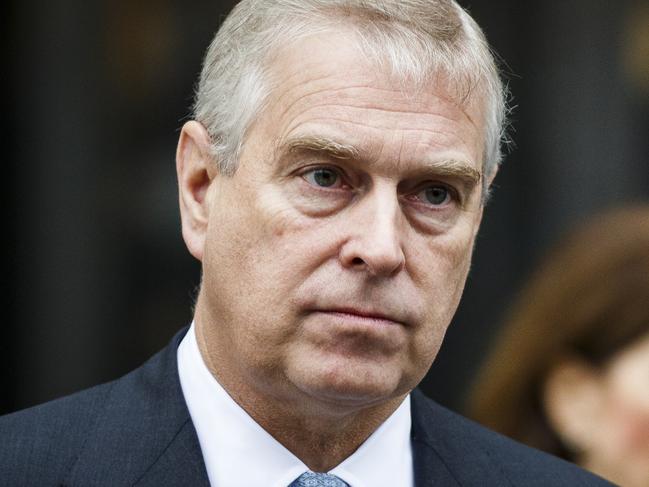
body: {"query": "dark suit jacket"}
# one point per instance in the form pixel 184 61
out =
pixel 137 431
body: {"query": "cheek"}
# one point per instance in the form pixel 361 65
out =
pixel 424 348
pixel 631 408
pixel 638 432
pixel 440 264
pixel 628 402
pixel 629 428
pixel 441 289
pixel 439 269
pixel 266 248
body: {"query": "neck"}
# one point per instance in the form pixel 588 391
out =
pixel 322 442
pixel 320 434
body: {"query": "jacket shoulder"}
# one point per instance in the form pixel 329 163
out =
pixel 112 434
pixel 41 443
pixel 476 455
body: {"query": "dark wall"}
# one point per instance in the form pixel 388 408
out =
pixel 97 275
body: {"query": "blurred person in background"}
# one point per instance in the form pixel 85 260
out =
pixel 570 372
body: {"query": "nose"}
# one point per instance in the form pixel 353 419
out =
pixel 374 242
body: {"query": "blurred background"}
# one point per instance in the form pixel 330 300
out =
pixel 97 277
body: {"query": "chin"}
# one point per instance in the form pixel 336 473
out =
pixel 349 384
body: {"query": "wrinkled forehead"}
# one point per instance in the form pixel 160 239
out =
pixel 327 97
pixel 342 55
pixel 333 64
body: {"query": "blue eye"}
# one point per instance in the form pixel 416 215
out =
pixel 323 177
pixel 435 195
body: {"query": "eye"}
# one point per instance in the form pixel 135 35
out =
pixel 435 195
pixel 323 177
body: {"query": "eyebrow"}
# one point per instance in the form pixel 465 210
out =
pixel 323 145
pixel 456 169
pixel 444 167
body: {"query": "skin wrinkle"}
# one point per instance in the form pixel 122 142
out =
pixel 395 110
pixel 331 105
pixel 287 75
pixel 315 87
pixel 378 65
pixel 351 121
pixel 382 91
pixel 400 156
pixel 366 106
pixel 316 67
pixel 314 93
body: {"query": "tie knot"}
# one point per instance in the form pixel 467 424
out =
pixel 310 479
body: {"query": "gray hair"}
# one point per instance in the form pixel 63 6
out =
pixel 416 40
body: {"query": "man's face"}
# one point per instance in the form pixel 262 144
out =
pixel 335 257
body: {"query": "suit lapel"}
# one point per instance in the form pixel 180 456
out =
pixel 144 435
pixel 430 468
pixel 448 449
pixel 181 464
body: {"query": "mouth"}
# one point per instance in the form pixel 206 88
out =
pixel 367 317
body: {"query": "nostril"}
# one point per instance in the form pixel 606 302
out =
pixel 357 261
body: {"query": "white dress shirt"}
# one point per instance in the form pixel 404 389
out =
pixel 238 452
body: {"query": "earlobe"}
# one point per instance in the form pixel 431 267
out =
pixel 196 170
pixel 572 399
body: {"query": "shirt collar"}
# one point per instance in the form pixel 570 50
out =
pixel 238 452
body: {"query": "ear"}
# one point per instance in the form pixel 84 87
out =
pixel 487 187
pixel 492 176
pixel 572 398
pixel 196 170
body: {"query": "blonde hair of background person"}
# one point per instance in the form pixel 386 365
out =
pixel 570 372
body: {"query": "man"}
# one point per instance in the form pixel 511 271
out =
pixel 332 185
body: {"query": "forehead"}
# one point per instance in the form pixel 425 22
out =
pixel 324 86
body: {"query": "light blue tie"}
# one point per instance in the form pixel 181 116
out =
pixel 310 479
